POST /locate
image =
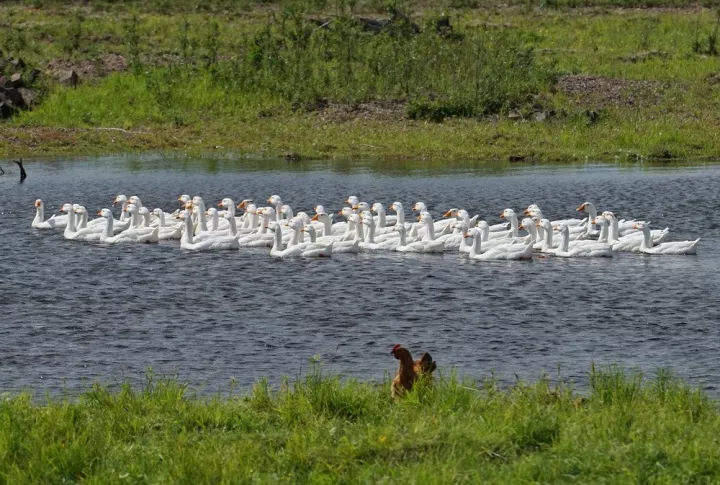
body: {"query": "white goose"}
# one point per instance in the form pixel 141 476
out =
pixel 511 216
pixel 593 250
pixel 504 252
pixel 338 246
pixel 423 246
pixel 72 232
pixel 54 222
pixel 167 231
pixel 632 242
pixel 125 237
pixel 534 210
pixel 213 243
pixel 261 238
pixel 306 250
pixel 368 243
pixel 674 247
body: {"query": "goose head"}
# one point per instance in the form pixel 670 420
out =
pixel 377 207
pixel 507 214
pixel 319 209
pixel 275 201
pixel 120 199
pixel 586 207
pixel 346 212
pixel 310 230
pixel 352 201
pixel 419 207
pixel 286 211
pixel 304 217
pixel 242 205
pixel 157 212
pixel 183 199
pixel 396 206
pixel 135 200
pixel 527 223
pixel 267 212
pixel 531 210
pixel 106 213
pixel 198 201
pixel 211 212
pixel 67 208
pixel 361 207
pixel 319 215
pixel 227 203
pixel 452 212
pixel 131 208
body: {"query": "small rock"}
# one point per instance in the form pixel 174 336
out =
pixel 18 62
pixel 15 97
pixel 17 80
pixel 68 78
pixel 33 76
pixel 6 109
pixel 540 116
pixel 515 115
pixel 28 96
pixel 5 83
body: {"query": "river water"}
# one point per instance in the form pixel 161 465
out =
pixel 76 313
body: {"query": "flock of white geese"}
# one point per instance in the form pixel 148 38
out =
pixel 364 227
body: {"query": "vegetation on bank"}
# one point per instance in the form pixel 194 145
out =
pixel 389 79
pixel 625 429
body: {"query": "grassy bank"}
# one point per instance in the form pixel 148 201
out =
pixel 626 429
pixel 557 81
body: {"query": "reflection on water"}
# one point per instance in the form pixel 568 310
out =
pixel 73 313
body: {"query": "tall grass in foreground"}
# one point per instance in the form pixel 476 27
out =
pixel 326 430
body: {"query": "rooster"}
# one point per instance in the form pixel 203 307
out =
pixel 409 370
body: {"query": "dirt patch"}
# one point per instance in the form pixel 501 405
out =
pixel 99 67
pixel 389 110
pixel 604 92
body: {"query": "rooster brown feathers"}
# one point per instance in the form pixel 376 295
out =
pixel 409 370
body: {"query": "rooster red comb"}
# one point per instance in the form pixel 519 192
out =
pixel 396 348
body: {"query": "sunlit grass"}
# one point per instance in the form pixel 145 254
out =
pixel 626 428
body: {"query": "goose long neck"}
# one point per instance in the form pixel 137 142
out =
pixel 215 221
pixel 202 218
pixel 265 222
pixel 647 238
pixel 371 234
pixel 123 211
pixel 359 234
pixel 233 225
pixel 146 219
pixel 109 227
pixel 188 230
pixel 603 233
pixel 83 220
pixel 533 232
pixel 565 244
pixel 381 217
pixel 403 236
pixel 548 237
pixel 71 221
pixel 475 248
pixel 514 225
pixel 295 237
pixel 613 231
pixel 327 223
pixel 253 220
pixel 400 217
pixel 430 230
pixel 161 218
pixel 277 243
pixel 39 214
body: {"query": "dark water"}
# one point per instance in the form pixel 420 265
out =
pixel 74 313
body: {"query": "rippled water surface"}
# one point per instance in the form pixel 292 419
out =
pixel 74 313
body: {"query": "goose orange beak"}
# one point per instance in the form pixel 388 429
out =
pixel 502 215
pixel 220 204
pixel 314 218
pixel 99 213
pixel 355 207
pixel 269 201
pixel 581 208
pixel 448 213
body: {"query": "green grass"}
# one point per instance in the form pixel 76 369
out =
pixel 254 79
pixel 625 429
